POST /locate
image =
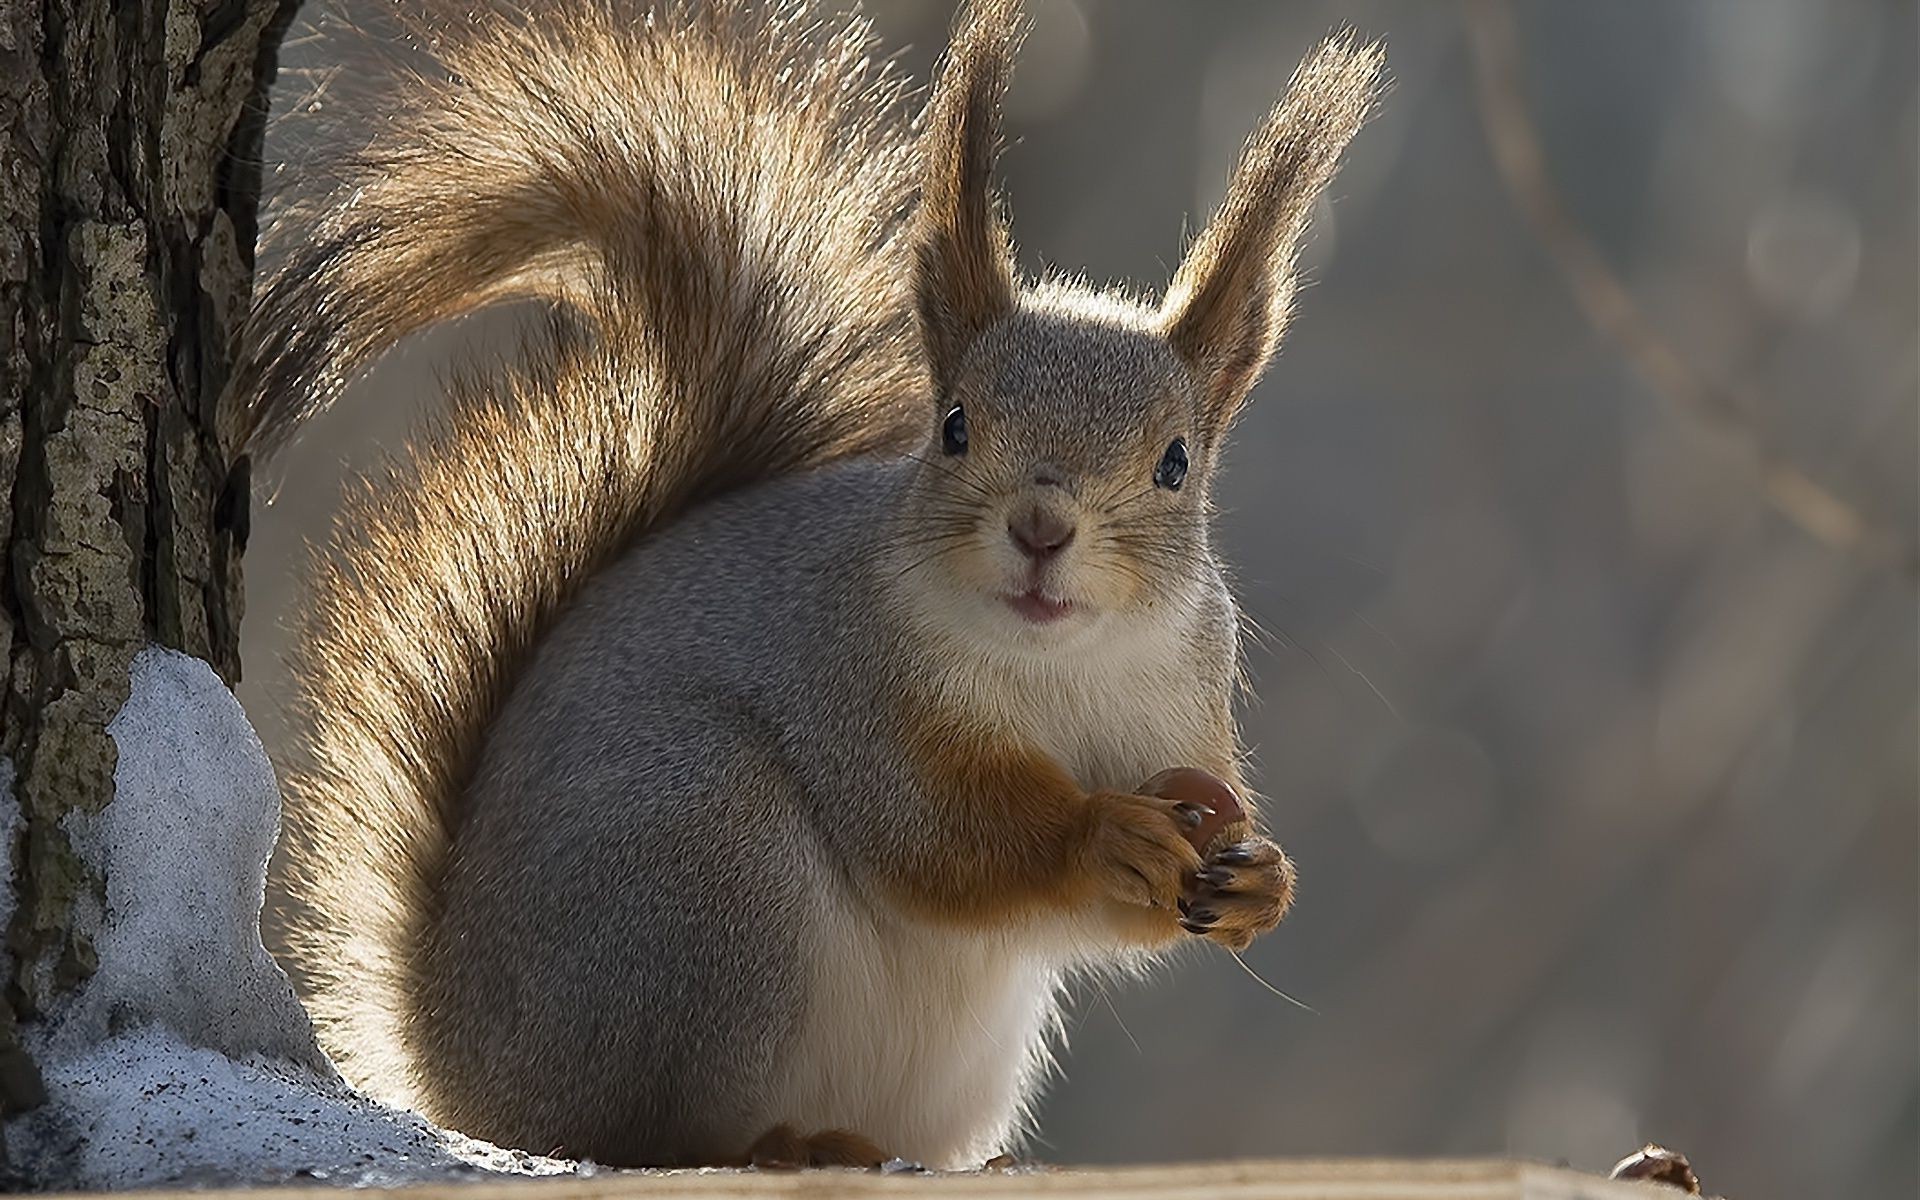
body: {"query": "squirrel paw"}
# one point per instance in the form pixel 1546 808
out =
pixel 1136 849
pixel 1241 892
pixel 783 1149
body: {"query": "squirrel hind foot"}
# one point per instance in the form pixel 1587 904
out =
pixel 783 1148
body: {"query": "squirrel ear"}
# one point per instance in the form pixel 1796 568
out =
pixel 1228 304
pixel 963 261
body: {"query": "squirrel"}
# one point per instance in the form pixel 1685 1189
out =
pixel 721 728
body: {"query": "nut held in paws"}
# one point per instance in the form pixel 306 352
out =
pixel 1198 787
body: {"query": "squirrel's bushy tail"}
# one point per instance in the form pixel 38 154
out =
pixel 717 191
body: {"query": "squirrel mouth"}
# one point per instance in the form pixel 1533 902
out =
pixel 1036 606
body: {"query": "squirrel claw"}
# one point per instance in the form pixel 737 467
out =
pixel 1240 892
pixel 1192 815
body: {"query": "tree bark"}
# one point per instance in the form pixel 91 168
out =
pixel 129 177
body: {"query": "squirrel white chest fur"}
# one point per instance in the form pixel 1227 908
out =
pixel 1133 703
pixel 929 1038
pixel 933 1037
pixel 1116 720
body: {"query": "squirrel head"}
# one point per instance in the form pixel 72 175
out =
pixel 1070 450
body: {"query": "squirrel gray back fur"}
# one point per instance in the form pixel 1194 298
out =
pixel 611 685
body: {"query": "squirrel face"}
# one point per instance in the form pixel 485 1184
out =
pixel 1064 479
pixel 1063 483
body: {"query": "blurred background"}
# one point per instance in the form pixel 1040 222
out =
pixel 1579 513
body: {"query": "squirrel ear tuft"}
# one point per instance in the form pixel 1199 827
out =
pixel 1228 304
pixel 963 261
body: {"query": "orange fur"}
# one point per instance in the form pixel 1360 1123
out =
pixel 1017 838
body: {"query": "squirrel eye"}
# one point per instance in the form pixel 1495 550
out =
pixel 953 434
pixel 1172 471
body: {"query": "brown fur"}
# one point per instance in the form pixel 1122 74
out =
pixel 963 268
pixel 1229 303
pixel 1021 838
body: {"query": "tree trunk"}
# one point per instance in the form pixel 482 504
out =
pixel 129 175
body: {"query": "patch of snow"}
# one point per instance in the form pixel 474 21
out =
pixel 184 848
pixel 144 1109
pixel 186 1058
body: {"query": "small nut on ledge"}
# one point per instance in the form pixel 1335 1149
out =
pixel 1194 786
pixel 1657 1164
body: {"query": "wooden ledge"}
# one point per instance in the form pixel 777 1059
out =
pixel 1281 1179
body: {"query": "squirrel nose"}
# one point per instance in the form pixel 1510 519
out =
pixel 1040 534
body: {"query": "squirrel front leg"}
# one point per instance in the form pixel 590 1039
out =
pixel 1243 890
pixel 1011 835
